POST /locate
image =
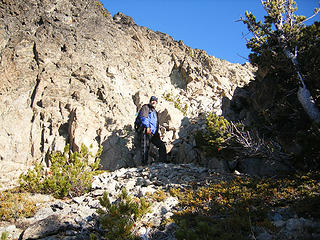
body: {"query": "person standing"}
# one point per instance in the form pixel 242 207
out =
pixel 147 131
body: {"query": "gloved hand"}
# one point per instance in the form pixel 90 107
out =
pixel 149 131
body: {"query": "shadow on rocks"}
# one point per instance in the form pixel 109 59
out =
pixel 117 149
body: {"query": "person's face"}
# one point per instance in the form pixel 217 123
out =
pixel 153 103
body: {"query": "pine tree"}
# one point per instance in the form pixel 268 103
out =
pixel 281 33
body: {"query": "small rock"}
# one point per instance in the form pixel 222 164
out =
pixel 57 206
pixel 140 181
pixel 264 236
pixel 71 233
pixel 46 227
pixel 78 200
pixel 94 203
pixel 97 193
pixel 277 217
pixel 130 184
pixel 279 223
pixel 147 182
pixel 236 172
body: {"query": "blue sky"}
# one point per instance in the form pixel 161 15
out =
pixel 205 24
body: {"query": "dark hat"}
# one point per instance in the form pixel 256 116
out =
pixel 153 98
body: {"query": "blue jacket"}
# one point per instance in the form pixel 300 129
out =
pixel 149 118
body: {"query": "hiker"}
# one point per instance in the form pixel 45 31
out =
pixel 147 130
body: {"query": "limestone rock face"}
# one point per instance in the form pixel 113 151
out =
pixel 72 73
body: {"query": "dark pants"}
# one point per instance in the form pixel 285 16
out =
pixel 145 141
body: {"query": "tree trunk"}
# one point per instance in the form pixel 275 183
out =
pixel 304 95
pixel 308 104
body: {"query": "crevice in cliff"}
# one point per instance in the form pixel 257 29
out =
pixel 42 139
pixel 36 54
pixel 72 125
pixel 36 58
pixel 35 90
pixel 40 22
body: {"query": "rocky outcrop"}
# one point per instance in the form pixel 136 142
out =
pixel 72 73
pixel 77 218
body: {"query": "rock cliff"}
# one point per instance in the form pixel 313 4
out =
pixel 72 73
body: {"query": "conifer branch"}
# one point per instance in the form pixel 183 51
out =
pixel 315 14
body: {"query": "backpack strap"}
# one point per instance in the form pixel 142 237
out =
pixel 144 111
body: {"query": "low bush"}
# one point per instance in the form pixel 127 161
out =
pixel 14 205
pixel 70 174
pixel 119 218
pixel 230 210
pixel 213 138
pixel 4 236
pixel 158 195
pixel 222 138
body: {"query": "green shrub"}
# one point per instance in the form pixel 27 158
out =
pixel 4 236
pixel 215 135
pixel 119 218
pixel 217 130
pixel 93 236
pixel 177 103
pixel 102 9
pixel 190 52
pixel 70 174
